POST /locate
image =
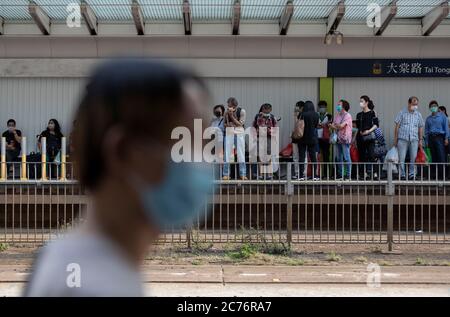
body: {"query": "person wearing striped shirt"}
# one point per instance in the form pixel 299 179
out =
pixel 408 138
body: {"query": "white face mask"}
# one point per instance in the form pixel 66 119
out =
pixel 361 104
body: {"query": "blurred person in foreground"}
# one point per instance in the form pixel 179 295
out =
pixel 135 186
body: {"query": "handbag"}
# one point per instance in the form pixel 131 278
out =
pixel 380 150
pixel 369 137
pixel 299 129
pixel 326 133
pixel 354 153
pixel 421 156
pixel 333 138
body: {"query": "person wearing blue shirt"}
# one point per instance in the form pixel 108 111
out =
pixel 437 136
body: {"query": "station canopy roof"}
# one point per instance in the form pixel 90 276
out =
pixel 214 10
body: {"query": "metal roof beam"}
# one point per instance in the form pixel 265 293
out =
pixel 90 18
pixel 335 17
pixel 136 12
pixel 432 20
pixel 286 17
pixel 388 14
pixel 39 16
pixel 235 22
pixel 187 17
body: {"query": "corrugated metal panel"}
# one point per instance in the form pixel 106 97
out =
pixel 205 10
pixel 32 102
pixel 169 10
pixel 415 8
pixel 251 93
pixel 217 10
pixel 313 9
pixel 262 10
pixel 391 95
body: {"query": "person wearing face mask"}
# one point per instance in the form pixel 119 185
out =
pixel 342 123
pixel 323 135
pixel 234 136
pixel 13 138
pixel 53 136
pixel 218 119
pixel 408 136
pixel 295 155
pixel 437 136
pixel 366 122
pixel 308 143
pixel 136 188
pixel 264 124
pixel 218 124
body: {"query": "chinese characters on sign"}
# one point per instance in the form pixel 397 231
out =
pixel 389 68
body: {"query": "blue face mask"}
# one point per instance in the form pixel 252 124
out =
pixel 179 198
pixel 339 108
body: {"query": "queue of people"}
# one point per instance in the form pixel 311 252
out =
pixel 340 140
pixel 13 138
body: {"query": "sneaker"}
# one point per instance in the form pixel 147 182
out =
pixel 412 177
pixel 315 179
pixel 226 178
pixel 243 178
pixel 295 177
pixel 302 179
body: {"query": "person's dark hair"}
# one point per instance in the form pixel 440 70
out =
pixel 300 104
pixel 221 108
pixel 411 99
pixel 345 104
pixel 444 110
pixel 11 121
pixel 57 130
pixel 369 102
pixel 322 104
pixel 309 106
pixel 433 102
pixel 128 93
pixel 233 101
pixel 265 106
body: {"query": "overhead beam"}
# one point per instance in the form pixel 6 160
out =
pixel 335 17
pixel 39 16
pixel 187 17
pixel 236 21
pixel 432 20
pixel 136 12
pixel 89 17
pixel 286 17
pixel 388 14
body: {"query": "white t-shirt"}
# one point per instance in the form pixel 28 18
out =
pixel 83 265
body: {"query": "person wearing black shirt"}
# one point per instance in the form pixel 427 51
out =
pixel 366 122
pixel 53 135
pixel 13 140
pixel 308 143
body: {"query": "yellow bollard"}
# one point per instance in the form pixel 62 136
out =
pixel 3 160
pixel 63 159
pixel 23 175
pixel 44 158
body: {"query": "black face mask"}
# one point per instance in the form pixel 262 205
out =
pixel 218 114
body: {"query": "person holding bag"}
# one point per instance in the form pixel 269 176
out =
pixel 342 124
pixel 323 133
pixel 366 122
pixel 307 142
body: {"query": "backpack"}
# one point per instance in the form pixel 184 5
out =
pixel 263 122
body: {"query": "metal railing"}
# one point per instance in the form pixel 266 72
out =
pixel 374 205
